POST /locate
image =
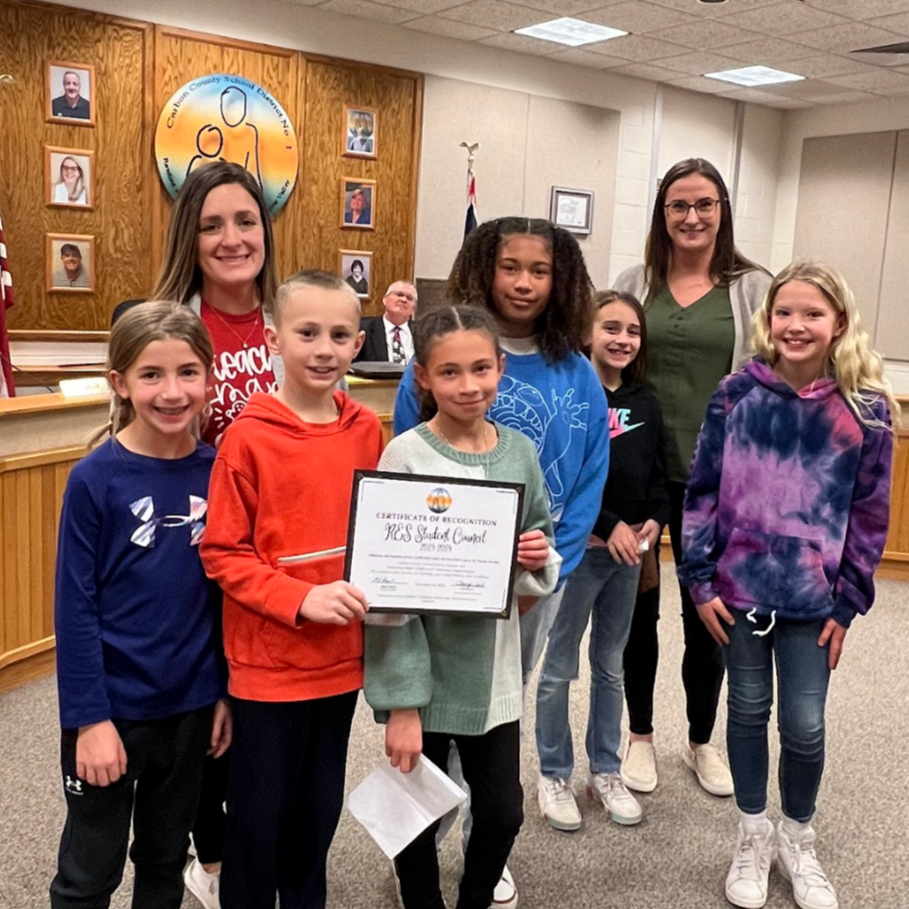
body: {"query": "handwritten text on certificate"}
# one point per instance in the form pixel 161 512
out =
pixel 422 544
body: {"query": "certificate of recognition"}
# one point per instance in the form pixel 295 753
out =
pixel 434 545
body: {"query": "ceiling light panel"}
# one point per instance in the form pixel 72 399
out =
pixel 572 32
pixel 751 76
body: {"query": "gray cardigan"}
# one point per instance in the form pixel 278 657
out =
pixel 745 294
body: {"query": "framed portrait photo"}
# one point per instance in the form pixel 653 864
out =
pixel 572 209
pixel 355 267
pixel 68 175
pixel 360 136
pixel 358 203
pixel 69 90
pixel 70 263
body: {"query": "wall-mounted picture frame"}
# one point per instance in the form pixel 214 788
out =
pixel 68 177
pixel 69 91
pixel 360 138
pixel 355 267
pixel 70 263
pixel 571 209
pixel 358 203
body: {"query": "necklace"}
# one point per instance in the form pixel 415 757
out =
pixel 450 444
pixel 230 328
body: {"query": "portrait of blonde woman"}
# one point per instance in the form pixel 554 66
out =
pixel 68 177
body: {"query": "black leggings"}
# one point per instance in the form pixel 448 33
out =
pixel 208 828
pixel 702 663
pixel 492 768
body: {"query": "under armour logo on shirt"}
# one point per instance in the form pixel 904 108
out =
pixel 144 510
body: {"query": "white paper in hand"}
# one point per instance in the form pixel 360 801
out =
pixel 395 808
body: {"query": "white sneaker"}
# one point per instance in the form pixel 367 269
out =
pixel 610 791
pixel 203 886
pixel 798 863
pixel 710 767
pixel 505 896
pixel 639 771
pixel 748 878
pixel 557 803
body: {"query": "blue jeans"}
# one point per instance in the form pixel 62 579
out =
pixel 606 590
pixel 535 625
pixel 802 678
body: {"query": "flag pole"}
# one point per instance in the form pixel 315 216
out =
pixel 471 220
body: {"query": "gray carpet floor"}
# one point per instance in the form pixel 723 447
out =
pixel 677 857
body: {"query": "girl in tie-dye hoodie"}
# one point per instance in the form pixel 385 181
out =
pixel 786 514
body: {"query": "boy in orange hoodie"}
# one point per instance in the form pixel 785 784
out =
pixel 278 509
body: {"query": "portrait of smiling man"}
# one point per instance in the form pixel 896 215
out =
pixel 74 103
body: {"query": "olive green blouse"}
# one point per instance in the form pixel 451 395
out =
pixel 689 349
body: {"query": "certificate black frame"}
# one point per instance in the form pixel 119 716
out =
pixel 360 475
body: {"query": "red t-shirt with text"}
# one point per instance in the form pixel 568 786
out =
pixel 239 371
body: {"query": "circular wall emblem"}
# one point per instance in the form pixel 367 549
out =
pixel 439 500
pixel 227 118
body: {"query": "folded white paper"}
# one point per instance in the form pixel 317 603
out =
pixel 395 808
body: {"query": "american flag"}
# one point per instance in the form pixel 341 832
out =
pixel 470 222
pixel 7 388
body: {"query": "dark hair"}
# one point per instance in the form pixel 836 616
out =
pixel 636 369
pixel 727 263
pixel 565 321
pixel 436 324
pixel 181 276
pixel 70 249
pixel 355 263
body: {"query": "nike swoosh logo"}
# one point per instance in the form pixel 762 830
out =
pixel 621 430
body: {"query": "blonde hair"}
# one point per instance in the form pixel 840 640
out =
pixel 312 277
pixel 857 369
pixel 156 320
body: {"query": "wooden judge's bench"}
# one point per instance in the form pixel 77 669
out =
pixel 42 436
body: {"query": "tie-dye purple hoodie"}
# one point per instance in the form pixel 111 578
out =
pixel 788 499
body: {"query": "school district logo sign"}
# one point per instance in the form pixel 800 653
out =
pixel 227 118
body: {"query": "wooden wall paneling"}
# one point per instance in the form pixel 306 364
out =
pixel 330 85
pixel 897 545
pixel 119 220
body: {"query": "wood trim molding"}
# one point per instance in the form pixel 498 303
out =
pixel 27 334
pixel 170 31
pixel 43 458
pixel 26 651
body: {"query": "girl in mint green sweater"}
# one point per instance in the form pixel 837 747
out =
pixel 435 678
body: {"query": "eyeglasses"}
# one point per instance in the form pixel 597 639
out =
pixel 679 209
pixel 398 293
pixel 71 167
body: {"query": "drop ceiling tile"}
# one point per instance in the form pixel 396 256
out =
pixel 754 95
pixel 711 11
pixel 705 35
pixel 448 28
pixel 771 51
pixel 700 84
pixel 700 62
pixel 898 23
pixel 827 65
pixel 788 104
pixel 637 16
pixel 878 80
pixel 637 48
pixel 848 37
pixel 427 7
pixel 862 9
pixel 561 7
pixel 813 90
pixel 847 98
pixel 646 71
pixel 784 19
pixel 581 57
pixel 522 44
pixel 364 9
pixel 497 14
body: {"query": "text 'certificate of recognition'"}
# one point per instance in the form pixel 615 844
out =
pixel 434 545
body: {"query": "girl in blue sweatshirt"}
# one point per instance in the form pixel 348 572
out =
pixel 137 633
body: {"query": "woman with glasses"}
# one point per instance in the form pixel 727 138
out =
pixel 699 293
pixel 70 188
